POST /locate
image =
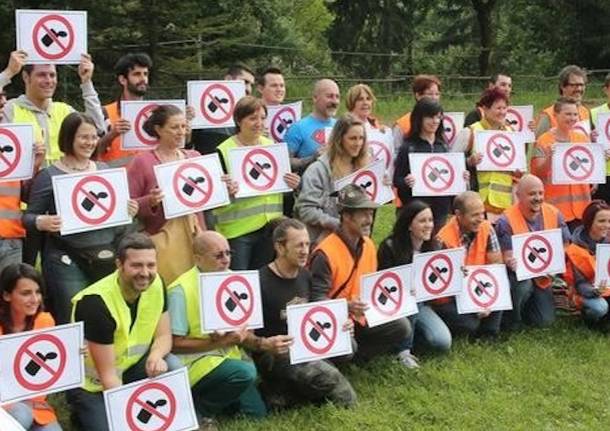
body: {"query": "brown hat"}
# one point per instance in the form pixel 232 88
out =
pixel 354 197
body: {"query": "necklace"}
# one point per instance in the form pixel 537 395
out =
pixel 175 155
pixel 74 167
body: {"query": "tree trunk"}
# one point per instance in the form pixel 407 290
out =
pixel 484 10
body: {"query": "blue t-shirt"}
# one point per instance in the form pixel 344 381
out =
pixel 307 135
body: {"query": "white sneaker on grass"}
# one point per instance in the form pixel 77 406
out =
pixel 408 359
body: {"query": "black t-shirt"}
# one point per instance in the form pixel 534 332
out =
pixel 99 324
pixel 278 292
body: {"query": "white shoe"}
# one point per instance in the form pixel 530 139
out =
pixel 408 359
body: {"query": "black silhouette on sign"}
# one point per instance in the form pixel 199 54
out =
pixel 535 253
pixel 216 102
pixel 144 415
pixel 448 129
pixel 314 334
pixel 513 122
pixel 6 149
pixel 501 149
pixel 88 204
pixel 577 162
pixel 481 287
pixel 33 367
pixel 385 294
pixel 231 304
pixel 436 173
pixel 366 185
pixel 255 173
pixel 188 188
pixel 433 277
pixel 47 40
pixel 284 125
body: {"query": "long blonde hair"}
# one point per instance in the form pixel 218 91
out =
pixel 335 144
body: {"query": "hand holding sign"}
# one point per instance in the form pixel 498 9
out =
pixel 538 253
pixel 578 164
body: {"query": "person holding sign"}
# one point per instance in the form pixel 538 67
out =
pixel 603 190
pixel 469 229
pixel 591 299
pixel 502 82
pixel 286 281
pixel 316 205
pixel 532 299
pixel 127 329
pixel 71 262
pixel 413 234
pixel 570 199
pixel 132 72
pixel 21 309
pixel 245 221
pixel 339 261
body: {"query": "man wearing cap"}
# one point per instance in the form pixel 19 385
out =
pixel 341 259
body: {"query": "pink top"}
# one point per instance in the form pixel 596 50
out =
pixel 142 180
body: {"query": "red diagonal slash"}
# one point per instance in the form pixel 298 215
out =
pixel 95 200
pixel 483 288
pixel 259 170
pixel 5 160
pixel 578 162
pixel 193 184
pixel 152 411
pixel 438 274
pixel 40 362
pixel 320 330
pixel 536 254
pixel 439 175
pixel 52 36
pixel 216 102
pixel 388 295
pixel 236 300
pixel 499 147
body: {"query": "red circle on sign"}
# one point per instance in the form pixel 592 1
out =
pixel 529 250
pixel 494 285
pixel 25 350
pixel 377 149
pixel 517 124
pixel 10 166
pixel 372 184
pixel 250 169
pixel 434 171
pixel 93 201
pixel 386 293
pixel 581 129
pixel 437 275
pixel 572 163
pixel 449 134
pixel 144 406
pixel 607 129
pixel 275 134
pixel 319 330
pixel 139 121
pixel 493 147
pixel 220 306
pixel 192 185
pixel 41 24
pixel 214 101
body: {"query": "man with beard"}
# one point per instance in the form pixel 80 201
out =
pixel 532 299
pixel 337 265
pixel 132 72
pixel 307 138
pixel 127 329
pixel 284 282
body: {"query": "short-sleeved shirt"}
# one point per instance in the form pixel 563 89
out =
pixel 99 324
pixel 307 135
pixel 505 231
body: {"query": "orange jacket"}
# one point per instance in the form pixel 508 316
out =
pixel 114 155
pixel 580 258
pixel 10 210
pixel 404 123
pixel 583 114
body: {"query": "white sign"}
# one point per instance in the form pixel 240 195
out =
pixel 280 118
pixel 137 112
pixel 501 151
pixel 388 295
pixel 578 164
pixel 538 253
pixel 438 274
pixel 214 102
pixel 452 123
pixel 16 152
pixel 584 127
pixel 602 126
pixel 191 185
pixel 91 200
pixel 317 330
pixel 50 36
pixel 230 300
pixel 260 169
pixel 602 265
pixel 7 423
pixel 371 179
pixel 518 119
pixel 438 174
pixel 381 146
pixel 486 288
pixel 41 362
pixel 162 403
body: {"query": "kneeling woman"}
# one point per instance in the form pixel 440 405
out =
pixel 580 274
pixel 20 311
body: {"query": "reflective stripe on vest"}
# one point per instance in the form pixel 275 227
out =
pixel 10 210
pixel 114 156
pixel 594 113
pixel 130 343
pixel 246 215
pixel 56 114
pixel 202 363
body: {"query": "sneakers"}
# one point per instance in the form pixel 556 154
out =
pixel 208 424
pixel 408 359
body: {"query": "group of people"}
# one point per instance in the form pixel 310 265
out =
pixel 135 287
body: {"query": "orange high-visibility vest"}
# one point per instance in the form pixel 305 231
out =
pixel 43 412
pixel 583 114
pixel 582 259
pixel 10 210
pixel 570 199
pixel 114 155
pixel 404 123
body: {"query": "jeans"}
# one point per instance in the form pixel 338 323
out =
pixel 88 407
pixel 229 388
pixel 428 331
pixel 10 252
pixel 469 324
pixel 531 304
pixel 252 250
pixel 380 339
pixel 22 412
pixel 594 309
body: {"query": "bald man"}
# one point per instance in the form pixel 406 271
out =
pixel 469 229
pixel 220 380
pixel 307 137
pixel 533 301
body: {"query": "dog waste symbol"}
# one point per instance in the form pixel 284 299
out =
pixel 481 287
pixel 500 150
pixel 33 367
pixel 144 415
pixel 216 102
pixel 383 296
pixel 47 40
pixel 88 204
pixel 314 334
pixel 189 189
pixel 231 304
pixel 6 149
pixel 433 277
pixel 436 173
pixel 284 124
pixel 255 173
pixel 535 253
pixel 577 162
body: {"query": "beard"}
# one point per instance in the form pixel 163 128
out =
pixel 133 89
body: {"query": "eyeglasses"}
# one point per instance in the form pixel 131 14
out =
pixel 224 253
